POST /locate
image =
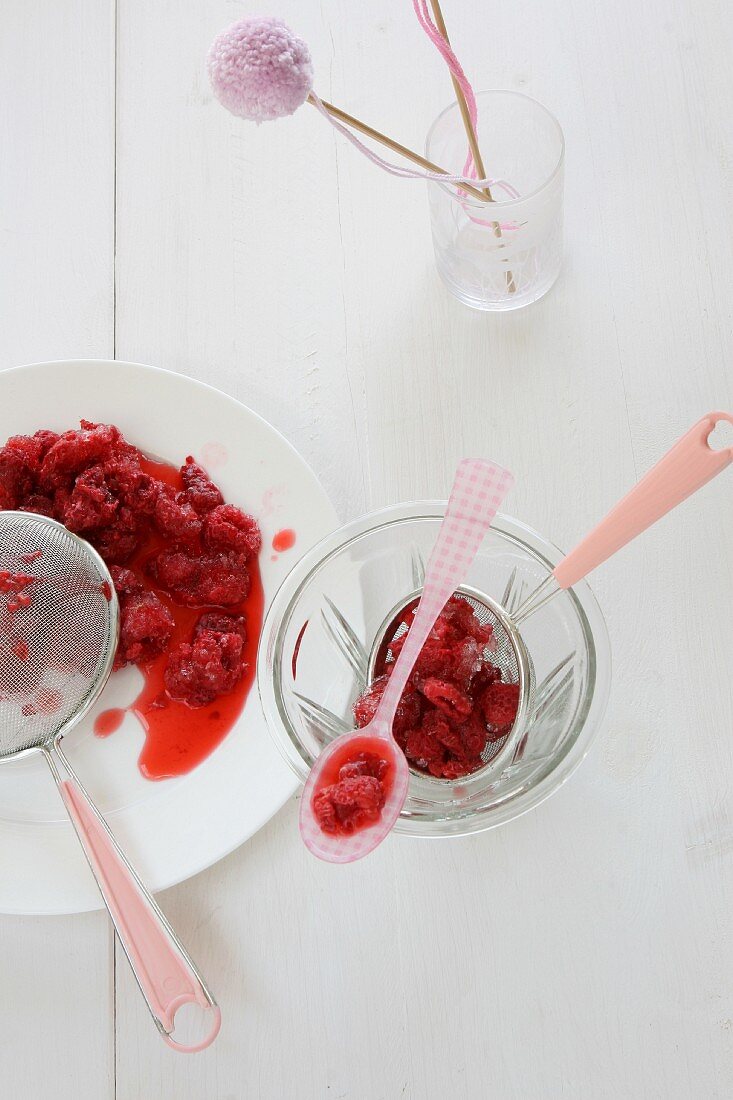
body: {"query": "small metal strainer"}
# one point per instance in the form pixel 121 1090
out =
pixel 59 621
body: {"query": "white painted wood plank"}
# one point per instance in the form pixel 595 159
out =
pixel 56 301
pixel 56 180
pixel 581 952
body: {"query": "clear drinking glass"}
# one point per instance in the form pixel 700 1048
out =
pixel 507 253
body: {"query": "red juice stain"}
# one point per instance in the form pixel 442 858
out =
pixel 283 540
pixel 296 651
pixel 20 649
pixel 179 737
pixel 107 590
pixel 33 556
pixel 109 721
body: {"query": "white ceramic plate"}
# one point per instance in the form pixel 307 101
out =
pixel 173 828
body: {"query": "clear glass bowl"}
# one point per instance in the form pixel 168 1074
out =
pixel 326 624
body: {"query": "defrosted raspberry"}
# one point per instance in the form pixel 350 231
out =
pixel 221 579
pixel 446 697
pixel 199 488
pixel 218 622
pixel 42 506
pixel 499 704
pixel 16 479
pixel 125 581
pixel 138 490
pixel 175 517
pixel 31 449
pixel 76 450
pixel 210 666
pixel 95 483
pixel 349 804
pixel 118 542
pixel 91 503
pixel 229 528
pixel 146 626
pixel 408 709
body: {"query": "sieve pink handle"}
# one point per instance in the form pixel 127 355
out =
pixel 689 465
pixel 478 491
pixel 163 970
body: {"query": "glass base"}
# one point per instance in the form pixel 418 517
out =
pixel 498 305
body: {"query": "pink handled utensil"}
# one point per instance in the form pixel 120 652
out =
pixel 478 491
pixel 63 636
pixel 689 465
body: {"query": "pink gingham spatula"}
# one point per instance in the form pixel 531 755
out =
pixel 478 491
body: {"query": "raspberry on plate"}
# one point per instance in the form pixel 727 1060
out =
pixel 209 666
pixel 221 578
pixel 146 624
pixel 228 528
pixel 199 488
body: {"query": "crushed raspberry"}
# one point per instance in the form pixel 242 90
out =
pixel 455 702
pixel 218 622
pixel 198 580
pixel 408 708
pixel 184 540
pixel 175 518
pixel 499 705
pixel 118 542
pixel 75 451
pixel 199 489
pixel 210 666
pixel 16 479
pixel 91 503
pixel 447 697
pixel 228 528
pixel 146 624
pixel 356 798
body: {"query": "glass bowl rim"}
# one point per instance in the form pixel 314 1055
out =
pixel 589 614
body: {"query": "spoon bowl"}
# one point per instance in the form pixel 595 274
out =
pixel 331 846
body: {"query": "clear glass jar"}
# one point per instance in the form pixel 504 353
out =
pixel 326 622
pixel 504 254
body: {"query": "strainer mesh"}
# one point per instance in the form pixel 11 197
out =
pixel 55 652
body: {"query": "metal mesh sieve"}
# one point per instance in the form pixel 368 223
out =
pixel 511 655
pixel 55 653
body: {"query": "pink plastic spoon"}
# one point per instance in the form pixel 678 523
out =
pixel 478 491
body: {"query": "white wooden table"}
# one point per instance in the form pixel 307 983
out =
pixel 584 951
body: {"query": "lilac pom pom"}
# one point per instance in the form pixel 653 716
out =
pixel 260 70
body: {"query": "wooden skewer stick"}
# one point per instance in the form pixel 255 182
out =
pixel 395 146
pixel 470 132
